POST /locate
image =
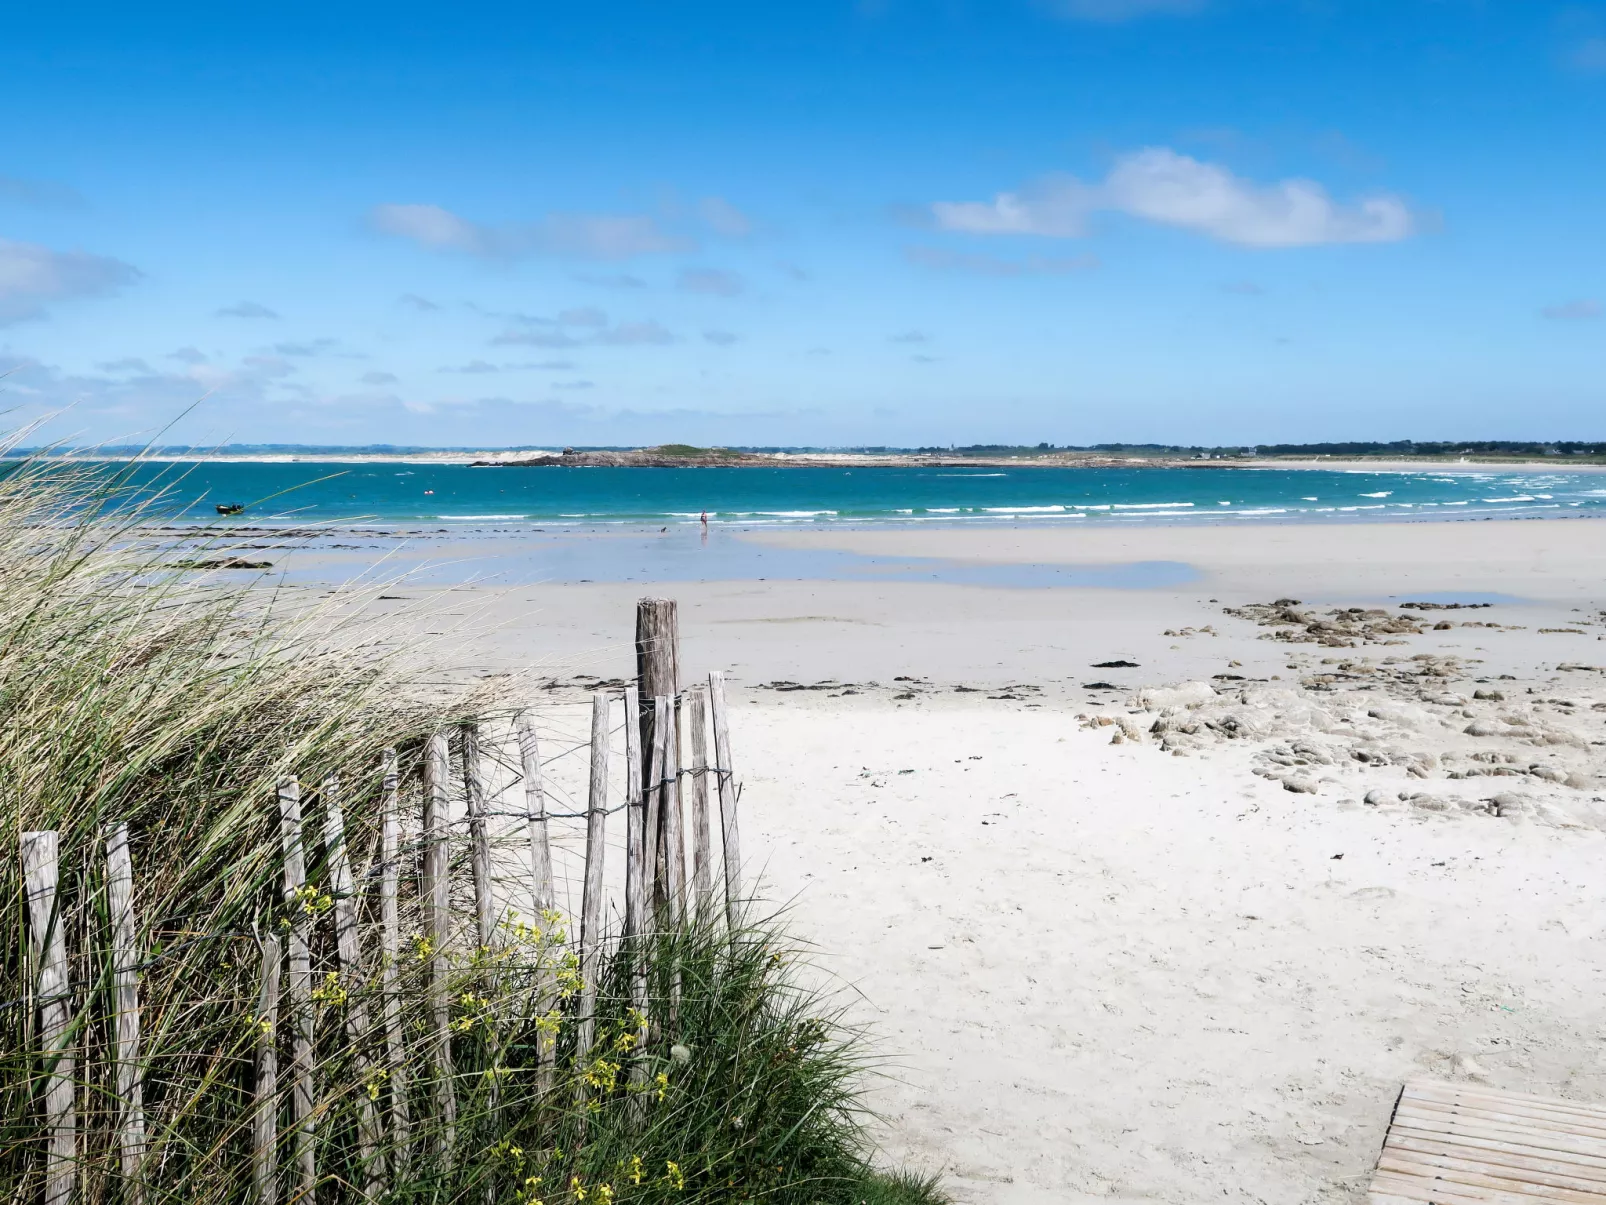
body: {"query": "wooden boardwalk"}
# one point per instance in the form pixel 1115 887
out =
pixel 1461 1144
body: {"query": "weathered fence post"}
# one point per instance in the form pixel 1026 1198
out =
pixel 701 838
pixel 265 1113
pixel 48 945
pixel 125 1009
pixel 479 839
pixel 653 822
pixel 300 987
pixel 535 822
pixel 666 715
pixel 348 950
pixel 636 883
pixel 591 901
pixel 657 673
pixel 437 888
pixel 728 796
pixel 390 971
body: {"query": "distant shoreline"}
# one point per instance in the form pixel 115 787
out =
pixel 646 458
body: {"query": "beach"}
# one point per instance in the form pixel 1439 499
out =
pixel 1111 958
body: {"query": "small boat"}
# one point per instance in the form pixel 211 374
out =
pixel 230 508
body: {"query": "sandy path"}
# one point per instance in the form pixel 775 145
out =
pixel 1109 973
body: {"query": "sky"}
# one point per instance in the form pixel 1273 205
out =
pixel 833 223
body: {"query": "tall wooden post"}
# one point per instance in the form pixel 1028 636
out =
pixel 591 901
pixel 479 837
pixel 125 1008
pixel 728 796
pixel 437 893
pixel 48 945
pixel 300 985
pixel 657 673
pixel 535 822
pixel 636 879
pixel 265 1111
pixel 348 950
pixel 701 836
pixel 666 713
pixel 390 970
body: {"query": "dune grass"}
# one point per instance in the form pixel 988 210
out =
pixel 131 691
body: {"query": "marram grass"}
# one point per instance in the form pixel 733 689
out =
pixel 134 692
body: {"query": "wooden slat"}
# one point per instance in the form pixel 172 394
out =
pixel 1441 1192
pixel 1505 1134
pixel 1454 1145
pixel 1512 1155
pixel 1513 1179
pixel 1563 1123
pixel 1431 1090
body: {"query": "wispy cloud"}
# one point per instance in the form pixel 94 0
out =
pixel 720 338
pixel 379 378
pixel 710 280
pixel 414 301
pixel 630 333
pixel 1170 189
pixel 1589 55
pixel 309 347
pixel 946 259
pixel 724 218
pixel 1115 11
pixel 910 337
pixel 1244 288
pixel 578 328
pixel 189 355
pixel 585 235
pixel 535 338
pixel 45 194
pixel 32 276
pixel 473 367
pixel 246 309
pixel 611 280
pixel 126 364
pixel 1573 311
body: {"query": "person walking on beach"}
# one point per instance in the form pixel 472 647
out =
pixel 705 520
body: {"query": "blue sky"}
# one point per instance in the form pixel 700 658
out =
pixel 841 222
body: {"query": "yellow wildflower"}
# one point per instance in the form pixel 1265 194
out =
pixel 673 1176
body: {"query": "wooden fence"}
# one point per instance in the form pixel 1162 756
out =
pixel 668 736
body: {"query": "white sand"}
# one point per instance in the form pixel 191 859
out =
pixel 1104 971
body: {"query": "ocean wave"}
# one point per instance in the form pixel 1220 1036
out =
pixel 1517 498
pixel 1380 494
pixel 1024 510
pixel 1149 505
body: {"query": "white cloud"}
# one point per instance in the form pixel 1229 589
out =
pixel 724 218
pixel 379 378
pixel 586 315
pixel 586 235
pixel 1159 185
pixel 1575 310
pixel 246 309
pixel 31 276
pixel 431 226
pixel 710 280
pixel 1113 11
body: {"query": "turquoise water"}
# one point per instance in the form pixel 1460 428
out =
pixel 453 495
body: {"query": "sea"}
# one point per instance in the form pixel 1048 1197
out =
pixel 318 522
pixel 409 494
